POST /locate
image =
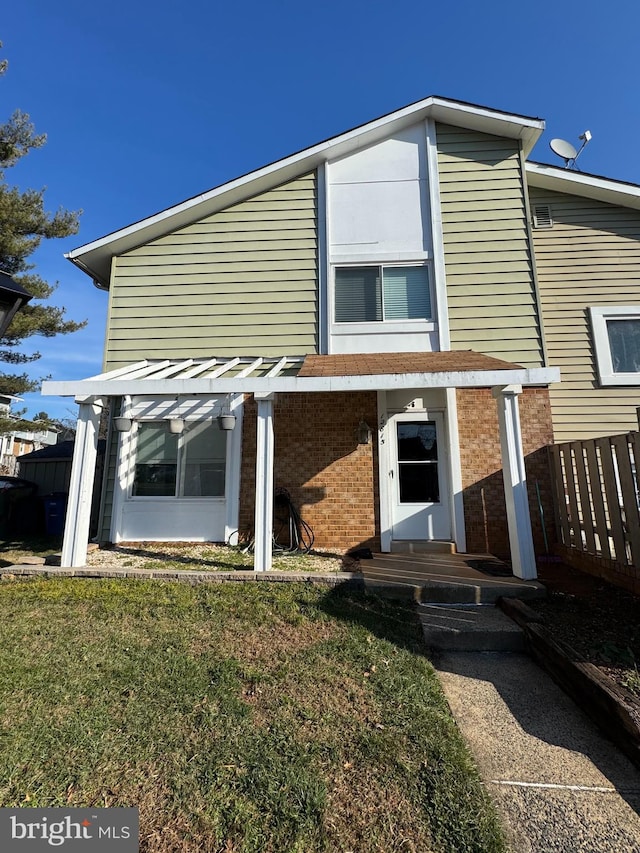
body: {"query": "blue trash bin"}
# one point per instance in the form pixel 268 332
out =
pixel 55 510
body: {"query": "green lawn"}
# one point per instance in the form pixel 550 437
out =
pixel 237 717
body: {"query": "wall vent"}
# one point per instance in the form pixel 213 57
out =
pixel 542 216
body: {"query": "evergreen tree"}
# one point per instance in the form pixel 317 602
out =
pixel 24 223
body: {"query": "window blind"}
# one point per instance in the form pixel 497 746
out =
pixel 358 295
pixel 406 293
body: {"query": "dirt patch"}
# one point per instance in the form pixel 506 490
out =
pixel 600 622
pixel 268 644
pixel 358 803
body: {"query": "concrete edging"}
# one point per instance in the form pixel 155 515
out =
pixel 604 701
pixel 330 579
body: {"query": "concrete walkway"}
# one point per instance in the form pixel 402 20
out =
pixel 559 785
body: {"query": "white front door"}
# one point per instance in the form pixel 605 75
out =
pixel 419 484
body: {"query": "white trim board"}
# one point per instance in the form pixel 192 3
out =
pixel 599 317
pixel 560 180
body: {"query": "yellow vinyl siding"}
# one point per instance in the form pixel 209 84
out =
pixel 242 281
pixel 490 286
pixel 590 257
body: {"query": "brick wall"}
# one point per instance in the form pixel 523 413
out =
pixel 482 484
pixel 332 480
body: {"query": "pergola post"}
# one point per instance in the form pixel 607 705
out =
pixel 263 523
pixel 515 482
pixel 83 470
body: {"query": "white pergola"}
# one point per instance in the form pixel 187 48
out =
pixel 265 377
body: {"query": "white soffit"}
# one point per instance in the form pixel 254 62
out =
pixel 95 258
pixel 561 180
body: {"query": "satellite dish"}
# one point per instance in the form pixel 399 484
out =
pixel 563 149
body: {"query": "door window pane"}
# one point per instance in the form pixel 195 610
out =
pixel 417 441
pixel 418 462
pixel 204 457
pixel 418 483
pixel 156 461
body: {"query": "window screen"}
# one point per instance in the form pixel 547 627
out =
pixel 203 460
pixel 156 461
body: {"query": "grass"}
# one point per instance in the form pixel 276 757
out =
pixel 236 717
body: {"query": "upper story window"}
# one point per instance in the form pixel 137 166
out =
pixel 616 335
pixel 375 294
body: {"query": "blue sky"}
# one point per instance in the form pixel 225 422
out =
pixel 148 103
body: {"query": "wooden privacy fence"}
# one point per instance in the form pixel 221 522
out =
pixel 597 495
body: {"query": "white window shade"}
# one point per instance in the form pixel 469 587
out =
pixel 406 293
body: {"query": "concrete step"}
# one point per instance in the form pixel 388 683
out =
pixel 430 546
pixel 485 591
pixel 469 628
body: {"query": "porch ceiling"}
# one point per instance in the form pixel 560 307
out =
pixel 313 373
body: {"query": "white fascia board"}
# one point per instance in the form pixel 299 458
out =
pixel 301 384
pixel 95 258
pixel 486 120
pixel 588 186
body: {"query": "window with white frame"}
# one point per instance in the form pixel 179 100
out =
pixel 191 464
pixel 616 335
pixel 380 293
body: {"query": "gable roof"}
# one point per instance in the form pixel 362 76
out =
pixel 95 258
pixel 583 184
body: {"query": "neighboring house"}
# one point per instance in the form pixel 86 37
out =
pixel 16 443
pixel 385 317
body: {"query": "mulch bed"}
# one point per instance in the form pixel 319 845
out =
pixel 600 622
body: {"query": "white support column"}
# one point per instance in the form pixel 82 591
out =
pixel 83 470
pixel 455 472
pixel 515 482
pixel 263 524
pixel 233 465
